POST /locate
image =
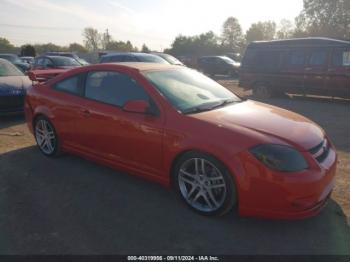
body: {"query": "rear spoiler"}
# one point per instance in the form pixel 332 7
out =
pixel 42 76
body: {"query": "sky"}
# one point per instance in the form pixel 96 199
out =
pixel 153 22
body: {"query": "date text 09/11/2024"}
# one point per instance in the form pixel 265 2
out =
pixel 173 258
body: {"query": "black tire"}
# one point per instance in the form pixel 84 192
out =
pixel 230 198
pixel 55 144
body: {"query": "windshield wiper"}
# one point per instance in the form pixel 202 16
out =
pixel 209 107
pixel 223 103
pixel 196 109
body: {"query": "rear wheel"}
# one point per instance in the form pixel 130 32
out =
pixel 46 137
pixel 204 184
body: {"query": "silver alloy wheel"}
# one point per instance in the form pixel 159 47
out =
pixel 45 136
pixel 202 185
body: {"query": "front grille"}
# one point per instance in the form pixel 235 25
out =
pixel 9 102
pixel 321 151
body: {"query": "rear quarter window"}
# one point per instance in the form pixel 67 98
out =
pixel 341 58
pixel 69 85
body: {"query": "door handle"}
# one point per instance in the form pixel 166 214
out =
pixel 308 69
pixel 85 112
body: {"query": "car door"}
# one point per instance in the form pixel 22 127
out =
pixel 205 65
pixel 221 66
pixel 108 132
pixel 66 98
pixel 338 75
pixel 216 65
pixel 315 72
pixel 211 65
pixel 292 71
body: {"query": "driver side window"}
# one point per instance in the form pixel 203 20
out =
pixel 48 63
pixel 113 88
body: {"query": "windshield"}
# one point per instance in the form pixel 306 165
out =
pixel 152 59
pixel 189 91
pixel 72 55
pixel 172 60
pixel 228 60
pixel 82 61
pixel 11 58
pixel 64 61
pixel 8 69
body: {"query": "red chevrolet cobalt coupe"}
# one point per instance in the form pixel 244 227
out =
pixel 177 127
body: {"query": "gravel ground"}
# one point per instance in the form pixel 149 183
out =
pixel 71 206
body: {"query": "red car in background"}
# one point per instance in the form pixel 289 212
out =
pixel 175 126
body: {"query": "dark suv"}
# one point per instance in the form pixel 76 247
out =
pixel 319 66
pixel 218 65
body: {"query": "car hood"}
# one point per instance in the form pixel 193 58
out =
pixel 269 120
pixel 10 83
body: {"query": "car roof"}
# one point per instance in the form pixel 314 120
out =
pixel 126 53
pixel 135 66
pixel 61 54
pixel 55 52
pixel 309 41
pixel 52 56
pixel 212 56
pixel 4 61
pixel 144 66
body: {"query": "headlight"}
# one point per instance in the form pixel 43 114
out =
pixel 279 157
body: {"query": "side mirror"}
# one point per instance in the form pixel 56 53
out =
pixel 136 106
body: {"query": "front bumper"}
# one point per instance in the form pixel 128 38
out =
pixel 270 194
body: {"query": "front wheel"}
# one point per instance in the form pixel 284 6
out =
pixel 204 184
pixel 46 137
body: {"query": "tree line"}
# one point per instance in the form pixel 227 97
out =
pixel 322 18
pixel 94 41
pixel 33 50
